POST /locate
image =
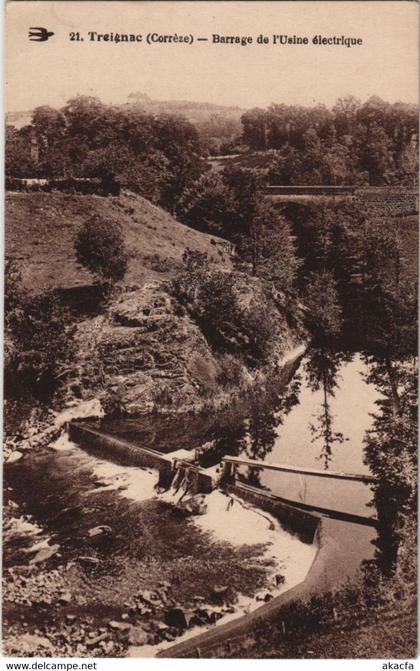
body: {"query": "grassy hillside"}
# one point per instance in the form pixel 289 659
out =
pixel 41 228
pixel 196 112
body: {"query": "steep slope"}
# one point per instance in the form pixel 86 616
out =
pixel 41 229
pixel 148 353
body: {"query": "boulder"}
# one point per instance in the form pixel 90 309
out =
pixel 119 626
pixel 279 579
pixel 93 642
pixel 14 456
pixel 145 595
pixel 41 545
pixel 89 561
pixel 179 617
pixel 162 595
pixel 65 598
pixel 214 615
pixel 264 595
pixel 164 584
pixel 137 636
pixel 195 505
pixel 198 599
pixel 44 554
pixel 222 595
pixel 102 530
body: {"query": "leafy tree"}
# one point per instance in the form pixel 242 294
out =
pixel 38 339
pixel 100 248
pixel 207 205
pixel 391 453
pixel 388 293
pixel 255 128
pixel 286 167
pixel 145 175
pixel 179 141
pixel 270 248
pixel 324 314
pixel 245 187
pixel 376 156
pixel 48 126
pixel 18 159
pixel 408 162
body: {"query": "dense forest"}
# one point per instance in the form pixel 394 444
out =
pixel 159 155
pixel 156 156
pixel 371 143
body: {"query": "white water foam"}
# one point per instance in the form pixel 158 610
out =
pixel 91 408
pixel 132 482
pixel 232 520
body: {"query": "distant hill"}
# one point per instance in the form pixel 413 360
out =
pixel 195 112
pixel 41 228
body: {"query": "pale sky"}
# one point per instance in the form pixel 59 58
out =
pixel 51 72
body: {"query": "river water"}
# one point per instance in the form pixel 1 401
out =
pixel 287 429
pixel 351 410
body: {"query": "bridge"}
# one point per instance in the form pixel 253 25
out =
pixel 310 190
pixel 394 201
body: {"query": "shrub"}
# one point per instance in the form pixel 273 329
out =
pixel 38 337
pixel 212 297
pixel 231 373
pixel 100 248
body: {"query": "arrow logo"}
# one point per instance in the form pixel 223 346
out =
pixel 39 34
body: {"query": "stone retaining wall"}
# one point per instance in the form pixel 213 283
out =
pixel 85 435
pixel 136 455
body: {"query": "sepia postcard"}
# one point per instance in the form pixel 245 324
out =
pixel 210 333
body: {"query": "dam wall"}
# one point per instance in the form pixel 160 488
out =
pixel 167 464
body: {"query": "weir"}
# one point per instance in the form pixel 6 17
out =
pixel 172 470
pixel 181 474
pixel 313 525
pixel 190 478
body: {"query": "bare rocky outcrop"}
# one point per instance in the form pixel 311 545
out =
pixel 148 353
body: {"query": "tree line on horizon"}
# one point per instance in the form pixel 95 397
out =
pixel 161 155
pixel 374 143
